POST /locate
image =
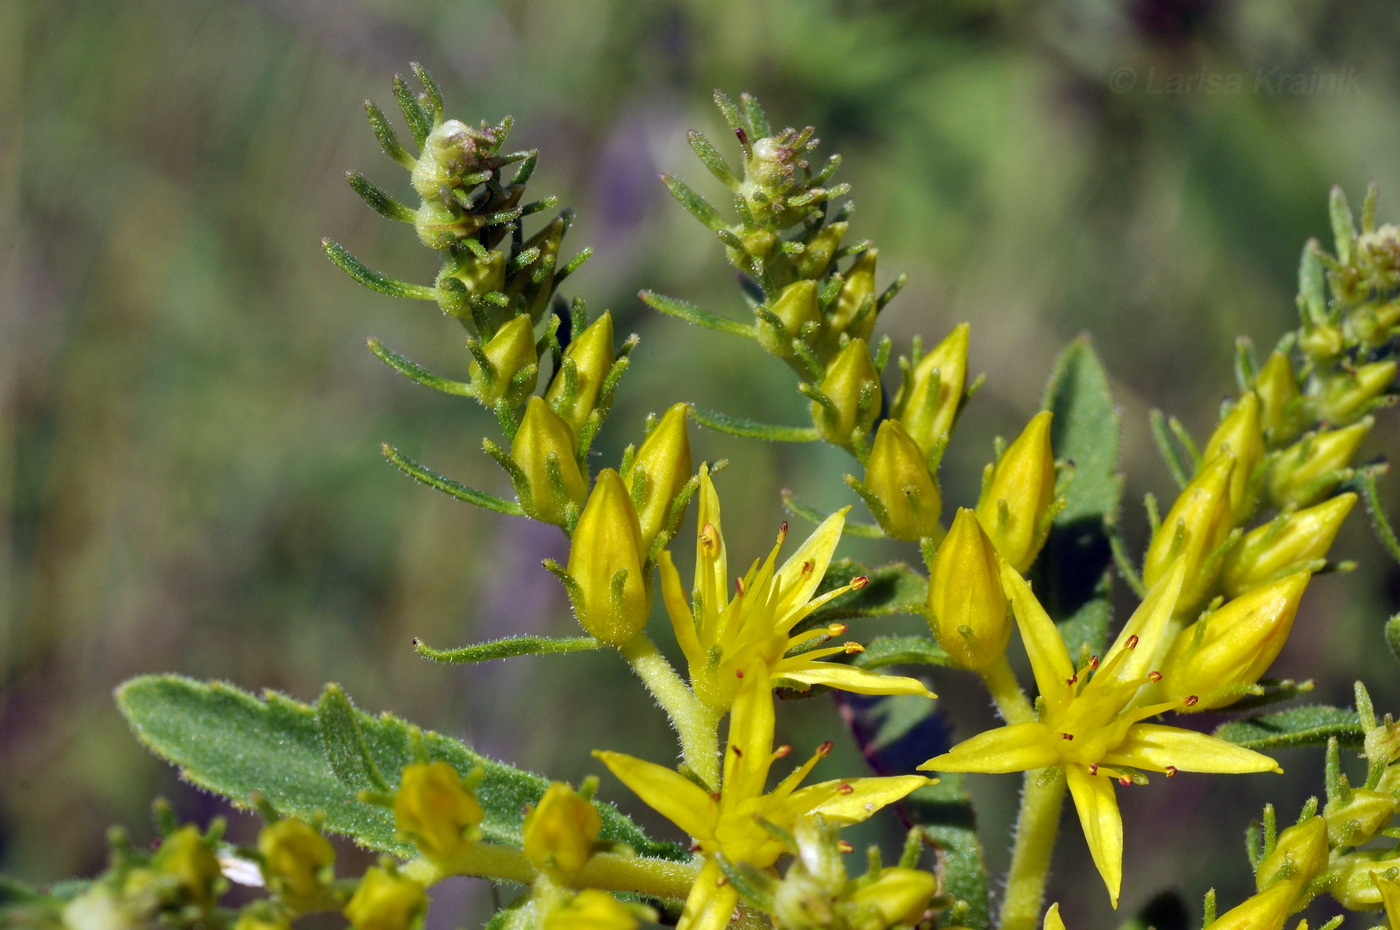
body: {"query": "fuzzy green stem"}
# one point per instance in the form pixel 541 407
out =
pixel 608 871
pixel 696 725
pixel 1011 701
pixel 1036 826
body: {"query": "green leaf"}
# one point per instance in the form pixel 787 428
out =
pixel 1297 726
pixel 378 200
pixel 1343 224
pixel 693 314
pixel 883 651
pixel 698 206
pixel 234 744
pixel 751 429
pixel 1072 577
pixel 374 280
pixel 1392 635
pixel 889 590
pixel 415 372
pixel 509 648
pixel 446 485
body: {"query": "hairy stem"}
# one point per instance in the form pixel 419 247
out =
pixel 696 725
pixel 608 871
pixel 1011 701
pixel 1036 827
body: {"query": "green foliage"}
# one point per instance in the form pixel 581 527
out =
pixel 234 744
pixel 1297 726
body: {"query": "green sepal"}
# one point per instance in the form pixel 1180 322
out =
pixel 712 159
pixel 698 206
pixel 1312 294
pixel 884 651
pixel 693 314
pixel 1271 691
pixel 1297 726
pixel 446 485
pixel 509 648
pixel 1343 224
pixel 1392 635
pixel 344 743
pixel 419 121
pixel 1072 573
pixel 230 742
pixel 388 138
pixel 752 429
pixel 798 508
pixel 379 201
pixel 374 280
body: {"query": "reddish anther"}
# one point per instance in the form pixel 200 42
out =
pixel 782 751
pixel 1171 771
pixel 859 583
pixel 737 751
pixel 1093 663
pixel 1093 769
pixel 738 673
pixel 1154 676
pixel 844 788
pixel 825 748
pixel 1067 736
pixel 1132 642
pixel 1125 781
pixel 1191 700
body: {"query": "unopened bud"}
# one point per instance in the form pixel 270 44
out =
pixel 795 308
pixel 1308 470
pixel 965 597
pixel 1239 433
pixel 898 477
pixel 853 387
pixel 854 313
pixel 514 365
pixel 297 863
pixel 1194 528
pixel 544 450
pixel 1291 542
pixel 1357 822
pixel 819 250
pixel 1299 856
pixel 1322 342
pixel 590 909
pixel 1264 911
pixel 606 561
pixel 386 901
pixel 1348 394
pixel 1014 507
pixel 898 896
pixel 927 401
pixel 1233 645
pixel 574 390
pixel 561 830
pixel 186 856
pixel 1373 325
pixel 1277 388
pixel 1354 883
pixel 535 282
pixel 662 467
pixel 435 811
pixel 251 918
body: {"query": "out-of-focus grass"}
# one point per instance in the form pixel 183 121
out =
pixel 190 421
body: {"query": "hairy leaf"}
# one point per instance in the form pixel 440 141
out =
pixel 230 742
pixel 1297 726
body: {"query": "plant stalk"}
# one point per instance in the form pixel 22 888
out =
pixel 1036 826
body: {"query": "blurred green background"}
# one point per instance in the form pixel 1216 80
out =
pixel 189 419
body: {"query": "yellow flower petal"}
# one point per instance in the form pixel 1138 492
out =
pixel 1017 748
pixel 678 609
pixel 800 583
pixel 1161 748
pixel 711 563
pixel 748 758
pixel 1052 918
pixel 1149 624
pixel 846 678
pixel 1050 661
pixel 852 800
pixel 711 903
pixel 1103 825
pixel 670 793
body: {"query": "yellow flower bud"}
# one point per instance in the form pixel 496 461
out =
pixel 386 901
pixel 435 811
pixel 1287 544
pixel 1197 524
pixel 662 466
pixel 853 386
pixel 1322 342
pixel 541 439
pixel 820 247
pixel 297 863
pixel 1233 645
pixel 928 399
pixel 897 896
pixel 1308 470
pixel 606 559
pixel 1390 897
pixel 1373 325
pixel 591 909
pixel 857 294
pixel 1277 388
pixel 560 831
pixel 1357 822
pixel 575 387
pixel 1347 393
pixel 1239 433
pixel 1355 884
pixel 1299 856
pixel 187 857
pixel 261 920
pixel 795 307
pixel 898 477
pixel 965 597
pixel 1016 498
pixel 511 352
pixel 537 293
pixel 1265 911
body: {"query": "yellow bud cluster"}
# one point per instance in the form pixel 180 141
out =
pixel 560 831
pixel 435 811
pixel 297 863
pixel 386 900
pixel 848 399
pixel 1018 495
pixel 659 475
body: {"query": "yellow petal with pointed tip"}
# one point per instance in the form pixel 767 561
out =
pixel 1154 746
pixel 1050 661
pixel 1097 806
pixel 852 800
pixel 670 793
pixel 1017 748
pixel 1149 624
pixel 859 680
pixel 1052 918
pixel 798 585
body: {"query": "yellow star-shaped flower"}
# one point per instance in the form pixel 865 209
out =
pixel 731 821
pixel 1091 723
pixel 721 635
